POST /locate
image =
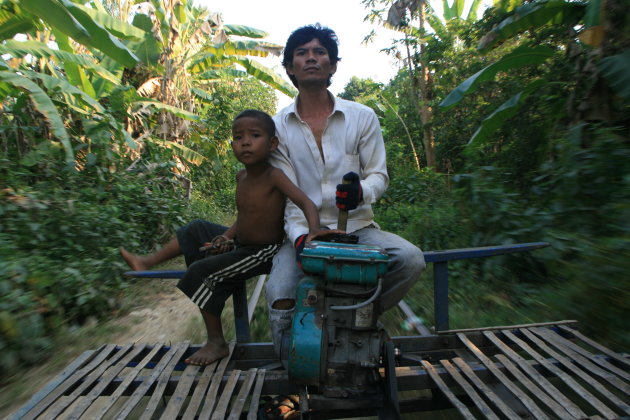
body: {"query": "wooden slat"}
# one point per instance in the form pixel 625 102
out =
pixel 598 346
pixel 474 396
pixel 253 406
pixel 580 352
pixel 142 390
pixel 60 405
pixel 176 402
pixel 243 393
pixel 211 396
pixel 514 389
pixel 507 411
pixel 463 410
pixel 162 381
pixel 603 409
pixel 104 382
pixel 577 388
pixel 563 405
pixel 253 299
pixel 226 396
pixel 111 400
pixel 103 352
pixel 53 383
pixel 507 327
pixel 200 391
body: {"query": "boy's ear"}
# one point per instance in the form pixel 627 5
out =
pixel 274 143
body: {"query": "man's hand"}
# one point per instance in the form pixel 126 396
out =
pixel 323 233
pixel 349 194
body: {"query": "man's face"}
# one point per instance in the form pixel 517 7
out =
pixel 311 64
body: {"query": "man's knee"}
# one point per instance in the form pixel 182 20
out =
pixel 283 304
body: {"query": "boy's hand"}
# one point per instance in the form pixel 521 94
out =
pixel 349 194
pixel 221 245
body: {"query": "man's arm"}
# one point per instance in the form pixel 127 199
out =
pixel 373 161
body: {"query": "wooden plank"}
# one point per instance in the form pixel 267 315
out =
pixel 52 384
pixel 237 408
pixel 200 392
pixel 176 402
pixel 598 346
pixel 162 381
pixel 226 395
pixel 507 327
pixel 253 406
pixel 568 346
pixel 60 405
pixel 104 382
pixel 603 409
pixel 103 352
pixel 559 403
pixel 479 402
pixel 577 388
pixel 463 410
pixel 514 389
pixel 211 396
pixel 467 370
pixel 109 402
pixel 142 390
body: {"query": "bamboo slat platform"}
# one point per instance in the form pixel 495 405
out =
pixel 534 372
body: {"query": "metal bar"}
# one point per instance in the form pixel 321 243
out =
pixel 545 385
pixel 509 327
pixel 440 295
pixel 486 251
pixel 474 396
pixel 241 319
pixel 522 397
pixel 237 407
pixel 253 299
pixel 226 396
pixel 412 319
pixel 463 410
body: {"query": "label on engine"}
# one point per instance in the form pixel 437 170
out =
pixel 363 316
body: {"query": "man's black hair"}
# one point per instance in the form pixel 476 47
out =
pixel 306 34
pixel 263 117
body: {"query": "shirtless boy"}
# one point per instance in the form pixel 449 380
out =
pixel 258 232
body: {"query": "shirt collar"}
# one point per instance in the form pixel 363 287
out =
pixel 292 108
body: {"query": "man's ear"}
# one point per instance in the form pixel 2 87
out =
pixel 274 143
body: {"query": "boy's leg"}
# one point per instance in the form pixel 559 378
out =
pixel 215 348
pixel 170 250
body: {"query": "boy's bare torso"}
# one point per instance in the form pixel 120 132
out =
pixel 260 208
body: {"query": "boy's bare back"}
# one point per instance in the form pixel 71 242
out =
pixel 260 206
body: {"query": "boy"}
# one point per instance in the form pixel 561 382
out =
pixel 258 232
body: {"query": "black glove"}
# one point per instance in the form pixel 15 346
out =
pixel 349 195
pixel 299 247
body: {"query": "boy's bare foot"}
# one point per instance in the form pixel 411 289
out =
pixel 136 262
pixel 209 353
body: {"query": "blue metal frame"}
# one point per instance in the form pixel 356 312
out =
pixel 439 259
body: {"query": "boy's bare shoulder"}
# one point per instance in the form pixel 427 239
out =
pixel 240 174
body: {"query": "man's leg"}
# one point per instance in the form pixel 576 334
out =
pixel 280 292
pixel 406 262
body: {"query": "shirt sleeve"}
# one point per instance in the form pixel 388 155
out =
pixel 373 160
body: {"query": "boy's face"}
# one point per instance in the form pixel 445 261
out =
pixel 251 143
pixel 311 63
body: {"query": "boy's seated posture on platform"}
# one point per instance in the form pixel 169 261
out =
pixel 257 234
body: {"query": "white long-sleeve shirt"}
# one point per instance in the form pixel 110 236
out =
pixel 351 141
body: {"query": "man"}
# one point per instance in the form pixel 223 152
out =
pixel 322 139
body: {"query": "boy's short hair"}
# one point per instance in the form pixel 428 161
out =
pixel 263 117
pixel 305 34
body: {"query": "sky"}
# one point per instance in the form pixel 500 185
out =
pixel 280 17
